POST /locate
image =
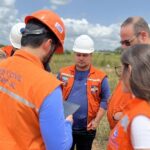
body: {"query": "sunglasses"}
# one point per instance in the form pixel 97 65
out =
pixel 129 41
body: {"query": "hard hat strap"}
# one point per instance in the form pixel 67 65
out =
pixel 33 32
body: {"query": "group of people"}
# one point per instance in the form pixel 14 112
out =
pixel 129 110
pixel 31 97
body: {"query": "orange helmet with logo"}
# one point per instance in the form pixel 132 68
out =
pixel 53 22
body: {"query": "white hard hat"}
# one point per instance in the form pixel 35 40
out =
pixel 16 35
pixel 83 44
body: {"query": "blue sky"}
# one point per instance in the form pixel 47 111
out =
pixel 100 19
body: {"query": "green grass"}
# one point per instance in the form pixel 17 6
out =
pixel 105 62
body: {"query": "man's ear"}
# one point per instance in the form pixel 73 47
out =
pixel 47 45
pixel 144 36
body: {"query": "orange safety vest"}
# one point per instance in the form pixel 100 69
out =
pixel 94 81
pixel 120 136
pixel 117 103
pixel 23 86
pixel 8 50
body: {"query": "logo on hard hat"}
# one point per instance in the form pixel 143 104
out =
pixel 22 30
pixel 59 27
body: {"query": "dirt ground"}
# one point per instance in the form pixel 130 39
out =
pixel 96 145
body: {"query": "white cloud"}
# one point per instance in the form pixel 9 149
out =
pixel 8 15
pixel 105 37
pixel 7 2
pixel 59 2
pixel 56 3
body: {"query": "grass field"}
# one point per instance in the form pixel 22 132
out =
pixel 106 62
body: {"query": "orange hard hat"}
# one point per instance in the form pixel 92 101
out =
pixel 53 22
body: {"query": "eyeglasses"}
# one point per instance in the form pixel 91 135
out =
pixel 129 41
pixel 118 70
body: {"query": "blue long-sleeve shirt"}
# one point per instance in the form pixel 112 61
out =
pixel 55 130
pixel 105 93
pixel 78 95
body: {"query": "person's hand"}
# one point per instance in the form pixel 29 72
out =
pixel 69 118
pixel 117 116
pixel 92 125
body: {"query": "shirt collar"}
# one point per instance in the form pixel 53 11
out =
pixel 29 56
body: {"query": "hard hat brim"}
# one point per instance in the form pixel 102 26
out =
pixel 83 51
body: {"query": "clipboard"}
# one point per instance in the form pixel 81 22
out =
pixel 70 108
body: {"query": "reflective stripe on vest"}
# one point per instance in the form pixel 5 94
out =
pixel 68 75
pixel 94 80
pixel 18 98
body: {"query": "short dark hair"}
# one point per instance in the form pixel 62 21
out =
pixel 35 40
pixel 138 57
pixel 139 24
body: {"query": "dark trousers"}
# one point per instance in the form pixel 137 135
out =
pixel 83 139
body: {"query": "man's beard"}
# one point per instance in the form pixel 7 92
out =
pixel 83 66
pixel 47 67
pixel 46 62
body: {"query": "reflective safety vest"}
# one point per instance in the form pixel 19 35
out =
pixel 23 86
pixel 117 103
pixel 120 136
pixel 8 50
pixel 94 81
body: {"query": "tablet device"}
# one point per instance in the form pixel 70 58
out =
pixel 70 108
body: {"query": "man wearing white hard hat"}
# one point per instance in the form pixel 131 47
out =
pixel 15 39
pixel 87 86
pixel 16 35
